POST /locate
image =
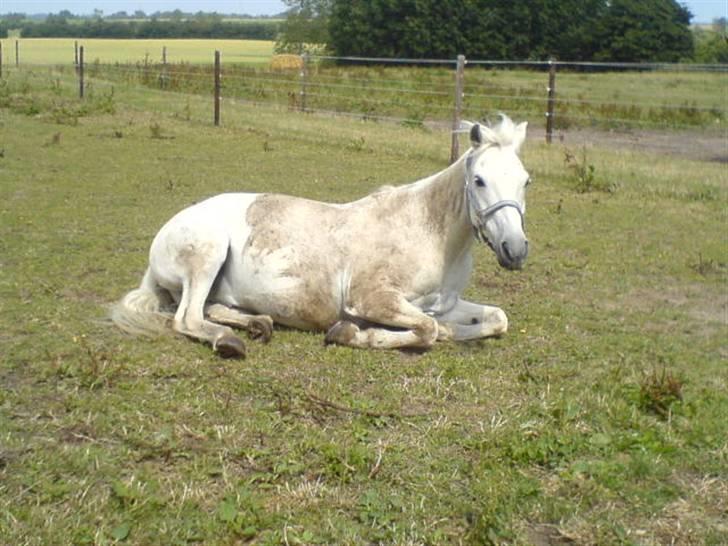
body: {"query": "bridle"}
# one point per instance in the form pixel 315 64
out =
pixel 482 215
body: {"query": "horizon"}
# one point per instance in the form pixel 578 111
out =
pixel 703 11
pixel 110 7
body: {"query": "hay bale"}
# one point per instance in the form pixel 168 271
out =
pixel 286 62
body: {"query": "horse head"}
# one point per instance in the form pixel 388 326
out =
pixel 495 189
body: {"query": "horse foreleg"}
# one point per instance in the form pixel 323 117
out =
pixel 258 326
pixel 467 321
pixel 378 311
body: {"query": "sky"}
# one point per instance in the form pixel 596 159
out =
pixel 704 11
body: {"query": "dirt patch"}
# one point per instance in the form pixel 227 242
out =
pixel 547 535
pixel 701 146
pixel 691 308
pixel 701 303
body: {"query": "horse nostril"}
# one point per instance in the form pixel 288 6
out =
pixel 504 246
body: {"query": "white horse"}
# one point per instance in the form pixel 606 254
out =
pixel 382 272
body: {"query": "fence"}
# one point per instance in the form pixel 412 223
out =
pixel 553 96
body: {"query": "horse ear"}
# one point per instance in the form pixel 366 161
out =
pixel 465 125
pixel 520 134
pixel 476 136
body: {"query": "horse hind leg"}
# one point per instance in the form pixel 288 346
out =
pixel 259 327
pixel 190 320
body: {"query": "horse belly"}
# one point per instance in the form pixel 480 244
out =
pixel 288 265
pixel 291 288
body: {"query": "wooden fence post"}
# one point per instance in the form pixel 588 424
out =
pixel 304 81
pixel 75 53
pixel 163 76
pixel 459 85
pixel 551 101
pixel 17 54
pixel 217 88
pixel 80 72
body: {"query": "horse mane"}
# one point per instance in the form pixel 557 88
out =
pixel 383 189
pixel 503 131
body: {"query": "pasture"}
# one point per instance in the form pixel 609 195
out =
pixel 652 98
pixel 601 417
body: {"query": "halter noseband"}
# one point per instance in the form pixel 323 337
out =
pixel 485 213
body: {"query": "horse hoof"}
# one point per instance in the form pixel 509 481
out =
pixel 261 329
pixel 230 347
pixel 341 333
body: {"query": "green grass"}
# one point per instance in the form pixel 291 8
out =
pixel 669 98
pixel 600 418
pixel 626 100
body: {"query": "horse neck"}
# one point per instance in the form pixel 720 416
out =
pixel 447 208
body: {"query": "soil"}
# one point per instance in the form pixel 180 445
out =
pixel 701 146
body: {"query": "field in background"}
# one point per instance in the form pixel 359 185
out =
pixel 48 51
pixel 600 418
pixel 651 98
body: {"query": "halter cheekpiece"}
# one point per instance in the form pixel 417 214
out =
pixel 484 214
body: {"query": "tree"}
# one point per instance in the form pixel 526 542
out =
pixel 711 45
pixel 306 25
pixel 644 30
pixel 635 30
pixel 486 29
pixel 14 18
pixel 564 29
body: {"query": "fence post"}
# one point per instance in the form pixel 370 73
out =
pixel 75 53
pixel 304 80
pixel 459 84
pixel 163 77
pixel 80 72
pixel 551 101
pixel 217 88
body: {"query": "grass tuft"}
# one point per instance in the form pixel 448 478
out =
pixel 659 391
pixel 583 173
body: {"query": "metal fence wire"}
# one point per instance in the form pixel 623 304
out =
pixel 553 96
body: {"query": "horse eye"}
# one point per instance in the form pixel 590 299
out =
pixel 479 182
pixel 528 182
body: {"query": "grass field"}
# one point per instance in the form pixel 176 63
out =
pixel 656 99
pixel 39 51
pixel 600 418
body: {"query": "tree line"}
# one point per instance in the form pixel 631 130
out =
pixel 570 30
pixel 61 26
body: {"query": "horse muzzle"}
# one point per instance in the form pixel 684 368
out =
pixel 512 252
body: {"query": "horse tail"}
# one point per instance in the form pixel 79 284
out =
pixel 141 311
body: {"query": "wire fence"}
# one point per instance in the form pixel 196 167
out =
pixel 553 96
